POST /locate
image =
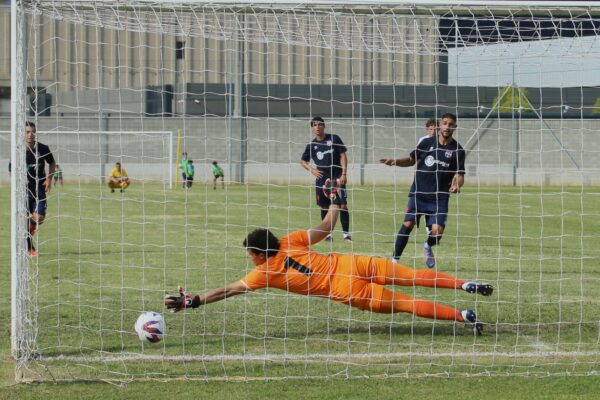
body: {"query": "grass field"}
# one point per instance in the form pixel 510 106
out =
pixel 106 257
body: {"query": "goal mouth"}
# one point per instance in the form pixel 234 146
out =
pixel 206 107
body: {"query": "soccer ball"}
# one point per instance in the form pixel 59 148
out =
pixel 150 327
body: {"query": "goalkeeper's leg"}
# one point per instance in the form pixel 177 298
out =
pixel 385 272
pixel 376 298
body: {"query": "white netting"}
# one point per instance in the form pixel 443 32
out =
pixel 143 82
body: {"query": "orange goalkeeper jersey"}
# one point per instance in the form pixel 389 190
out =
pixel 295 268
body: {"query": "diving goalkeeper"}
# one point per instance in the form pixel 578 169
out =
pixel 359 281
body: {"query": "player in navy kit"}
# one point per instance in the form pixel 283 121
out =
pixel 440 171
pixel 38 183
pixel 328 153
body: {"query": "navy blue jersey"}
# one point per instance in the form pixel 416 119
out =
pixel 36 159
pixel 436 166
pixel 326 155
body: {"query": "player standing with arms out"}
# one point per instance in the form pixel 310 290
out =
pixel 440 171
pixel 218 173
pixel 38 183
pixel 328 152
pixel 359 281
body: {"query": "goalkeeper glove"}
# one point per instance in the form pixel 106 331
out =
pixel 178 302
pixel 330 189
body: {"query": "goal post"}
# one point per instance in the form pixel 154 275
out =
pixel 239 82
pixel 21 338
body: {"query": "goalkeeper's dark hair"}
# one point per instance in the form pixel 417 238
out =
pixel 262 241
pixel 30 124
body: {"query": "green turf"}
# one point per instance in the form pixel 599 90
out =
pixel 105 257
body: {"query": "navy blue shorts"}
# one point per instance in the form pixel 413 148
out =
pixel 324 201
pixel 37 204
pixel 435 211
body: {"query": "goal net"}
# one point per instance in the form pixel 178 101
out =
pixel 237 83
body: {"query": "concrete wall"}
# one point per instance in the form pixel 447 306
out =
pixel 553 152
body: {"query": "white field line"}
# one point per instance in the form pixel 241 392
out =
pixel 537 343
pixel 319 356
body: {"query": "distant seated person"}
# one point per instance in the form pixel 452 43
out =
pixel 118 178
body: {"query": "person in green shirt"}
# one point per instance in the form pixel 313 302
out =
pixel 189 172
pixel 218 173
pixel 183 168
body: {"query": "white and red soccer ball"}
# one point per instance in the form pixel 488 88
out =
pixel 150 327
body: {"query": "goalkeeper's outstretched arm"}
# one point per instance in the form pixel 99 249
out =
pixel 182 300
pixel 319 232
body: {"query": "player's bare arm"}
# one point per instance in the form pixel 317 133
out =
pixel 398 162
pixel 344 162
pixel 457 183
pixel 311 168
pixel 48 181
pixel 319 232
pixel 233 289
pixel 180 301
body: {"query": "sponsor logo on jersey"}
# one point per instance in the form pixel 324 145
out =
pixel 322 154
pixel 448 154
pixel 430 161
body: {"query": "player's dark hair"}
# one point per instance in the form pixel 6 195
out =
pixel 262 241
pixel 451 116
pixel 30 124
pixel 431 122
pixel 214 163
pixel 316 119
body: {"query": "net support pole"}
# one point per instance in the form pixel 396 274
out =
pixel 229 113
pixel 361 123
pixel 240 111
pixel 237 71
pixel 171 166
pixel 178 156
pixel 102 123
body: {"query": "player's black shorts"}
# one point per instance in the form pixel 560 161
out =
pixel 220 176
pixel 324 201
pixel 36 202
pixel 435 211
